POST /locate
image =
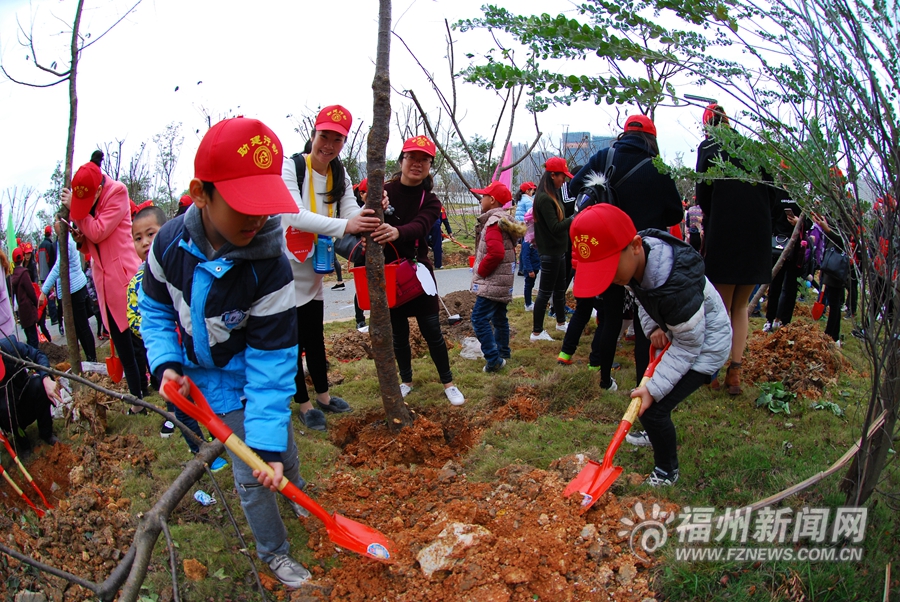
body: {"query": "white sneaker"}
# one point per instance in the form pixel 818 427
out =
pixel 613 387
pixel 363 329
pixel 405 389
pixel 640 439
pixel 455 396
pixel 529 307
pixel 290 572
pixel 776 324
pixel 541 337
pixel 767 327
pixel 562 326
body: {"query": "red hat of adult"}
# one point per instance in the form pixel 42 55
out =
pixel 84 188
pixel 243 157
pixel 599 235
pixel 18 254
pixel 363 186
pixel 497 190
pixel 711 112
pixel 27 247
pixel 526 186
pixel 558 165
pixel 334 118
pixel 48 230
pixel 640 123
pixel 186 200
pixel 420 143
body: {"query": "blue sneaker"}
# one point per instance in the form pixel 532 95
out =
pixel 218 464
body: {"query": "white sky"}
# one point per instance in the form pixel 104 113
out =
pixel 274 59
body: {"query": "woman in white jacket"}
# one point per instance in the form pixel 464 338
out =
pixel 328 210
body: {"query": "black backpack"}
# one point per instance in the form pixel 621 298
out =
pixel 599 188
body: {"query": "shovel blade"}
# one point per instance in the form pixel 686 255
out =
pixel 817 310
pixel 115 369
pixel 454 319
pixel 359 538
pixel 592 482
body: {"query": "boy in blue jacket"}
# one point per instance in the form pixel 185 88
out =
pixel 219 274
pixel 677 304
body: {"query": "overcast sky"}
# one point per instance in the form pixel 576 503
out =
pixel 267 59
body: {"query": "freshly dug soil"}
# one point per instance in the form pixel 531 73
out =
pixel 799 355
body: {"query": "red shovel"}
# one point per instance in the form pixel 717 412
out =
pixel 595 478
pixel 343 531
pixel 818 307
pixel 114 366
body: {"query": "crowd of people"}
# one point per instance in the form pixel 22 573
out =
pixel 230 292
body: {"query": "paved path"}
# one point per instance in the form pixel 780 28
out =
pixel 339 304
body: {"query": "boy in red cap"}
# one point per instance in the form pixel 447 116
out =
pixel 494 273
pixel 219 275
pixel 677 304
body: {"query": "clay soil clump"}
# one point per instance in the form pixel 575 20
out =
pixel 800 356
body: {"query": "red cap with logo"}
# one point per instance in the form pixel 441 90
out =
pixel 599 235
pixel 557 165
pixel 18 254
pixel 27 247
pixel 334 118
pixel 497 190
pixel 243 157
pixel 420 143
pixel 84 187
pixel 640 123
pixel 526 186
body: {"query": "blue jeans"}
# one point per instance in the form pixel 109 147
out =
pixel 492 329
pixel 259 504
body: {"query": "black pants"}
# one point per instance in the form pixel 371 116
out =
pixel 311 341
pixel 125 350
pixel 552 286
pixel 834 295
pixel 657 420
pixel 606 338
pixel 140 356
pixel 430 327
pixel 783 293
pixel 82 326
pixel 580 319
pixel 18 409
pixel 31 335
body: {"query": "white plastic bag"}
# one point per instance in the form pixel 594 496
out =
pixel 471 349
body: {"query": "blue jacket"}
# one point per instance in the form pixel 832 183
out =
pixel 77 279
pixel 234 309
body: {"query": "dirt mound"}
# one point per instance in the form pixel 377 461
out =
pixel 90 527
pixel 354 345
pixel 523 405
pixel 799 355
pixel 55 353
pixel 529 542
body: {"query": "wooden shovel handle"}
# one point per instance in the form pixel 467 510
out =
pixel 634 407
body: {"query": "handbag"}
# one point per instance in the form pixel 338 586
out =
pixel 778 244
pixel 408 285
pixel 836 264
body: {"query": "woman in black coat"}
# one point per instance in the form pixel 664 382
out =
pixel 651 200
pixel 737 224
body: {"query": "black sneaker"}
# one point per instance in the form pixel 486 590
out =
pixel 336 406
pixel 661 478
pixel 313 419
pixel 168 427
pixel 339 286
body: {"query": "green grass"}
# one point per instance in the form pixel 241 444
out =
pixel 731 454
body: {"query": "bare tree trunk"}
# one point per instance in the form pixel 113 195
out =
pixel 396 410
pixel 68 318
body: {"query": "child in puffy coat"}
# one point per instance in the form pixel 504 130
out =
pixel 494 273
pixel 531 259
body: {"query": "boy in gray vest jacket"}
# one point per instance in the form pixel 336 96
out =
pixel 494 273
pixel 677 304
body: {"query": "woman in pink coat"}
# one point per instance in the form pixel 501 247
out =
pixel 101 212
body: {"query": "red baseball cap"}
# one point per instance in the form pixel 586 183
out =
pixel 28 248
pixel 363 186
pixel 18 254
pixel 48 230
pixel 334 118
pixel 640 123
pixel 526 186
pixel 497 190
pixel 84 187
pixel 243 157
pixel 186 200
pixel 711 112
pixel 558 165
pixel 599 234
pixel 420 143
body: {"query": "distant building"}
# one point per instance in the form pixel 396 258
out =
pixel 577 148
